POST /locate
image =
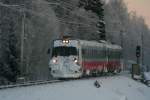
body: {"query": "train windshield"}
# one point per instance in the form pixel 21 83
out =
pixel 64 51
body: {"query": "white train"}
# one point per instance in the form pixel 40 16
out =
pixel 77 58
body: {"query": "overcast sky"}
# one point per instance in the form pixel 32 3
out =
pixel 142 7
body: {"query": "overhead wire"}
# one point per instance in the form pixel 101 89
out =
pixel 73 6
pixel 21 10
pixel 65 8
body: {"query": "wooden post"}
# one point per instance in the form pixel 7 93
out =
pixel 22 42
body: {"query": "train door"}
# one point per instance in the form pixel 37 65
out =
pixel 108 57
pixel 80 54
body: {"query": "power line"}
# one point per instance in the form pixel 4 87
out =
pixel 35 13
pixel 76 23
pixel 72 6
pixel 6 5
pixel 68 4
pixel 38 14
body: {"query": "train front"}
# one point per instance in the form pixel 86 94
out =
pixel 65 59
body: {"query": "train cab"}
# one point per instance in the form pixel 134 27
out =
pixel 64 62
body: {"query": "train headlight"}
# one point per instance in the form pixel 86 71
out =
pixel 54 60
pixel 75 60
pixel 65 41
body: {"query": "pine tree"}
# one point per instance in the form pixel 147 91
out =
pixel 13 54
pixel 9 67
pixel 96 6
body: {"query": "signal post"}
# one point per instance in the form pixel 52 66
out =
pixel 138 53
pixel 136 69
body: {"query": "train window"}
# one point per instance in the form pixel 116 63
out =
pixel 95 52
pixel 64 51
pixel 83 51
pixel 86 52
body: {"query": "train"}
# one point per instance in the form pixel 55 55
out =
pixel 74 58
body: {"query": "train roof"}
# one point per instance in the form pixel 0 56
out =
pixel 100 43
pixel 91 43
pixel 114 46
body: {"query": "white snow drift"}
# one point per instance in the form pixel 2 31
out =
pixel 112 88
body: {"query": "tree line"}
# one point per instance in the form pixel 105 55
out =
pixel 27 32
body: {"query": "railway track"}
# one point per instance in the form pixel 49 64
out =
pixel 31 84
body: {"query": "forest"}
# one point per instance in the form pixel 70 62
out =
pixel 28 27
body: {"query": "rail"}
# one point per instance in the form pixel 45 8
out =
pixel 30 84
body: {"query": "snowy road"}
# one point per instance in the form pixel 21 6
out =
pixel 112 88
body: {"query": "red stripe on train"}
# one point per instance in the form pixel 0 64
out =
pixel 100 64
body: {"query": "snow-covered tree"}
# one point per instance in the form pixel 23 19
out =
pixel 41 28
pixel 76 21
pixel 9 55
pixel 96 6
pixel 125 28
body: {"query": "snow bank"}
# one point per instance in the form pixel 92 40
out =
pixel 147 76
pixel 112 88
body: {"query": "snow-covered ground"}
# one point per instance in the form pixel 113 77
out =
pixel 147 76
pixel 112 88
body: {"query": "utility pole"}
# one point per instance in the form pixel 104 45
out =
pixel 142 44
pixel 121 38
pixel 22 40
pixel 122 45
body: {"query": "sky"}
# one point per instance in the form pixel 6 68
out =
pixel 142 8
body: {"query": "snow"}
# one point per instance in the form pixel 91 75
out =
pixel 137 77
pixel 65 67
pixel 147 76
pixel 112 88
